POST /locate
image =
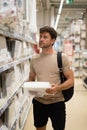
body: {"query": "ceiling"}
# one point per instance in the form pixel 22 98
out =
pixel 70 12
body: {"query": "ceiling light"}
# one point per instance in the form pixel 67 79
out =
pixel 58 15
pixel 69 1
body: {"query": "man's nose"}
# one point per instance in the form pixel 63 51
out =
pixel 41 39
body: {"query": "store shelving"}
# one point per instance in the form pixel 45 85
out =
pixel 16 36
pixel 78 32
pixel 7 100
pixel 26 114
pixel 13 63
pixel 84 72
pixel 18 113
pixel 16 48
pixel 4 103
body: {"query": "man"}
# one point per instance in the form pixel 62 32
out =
pixel 44 68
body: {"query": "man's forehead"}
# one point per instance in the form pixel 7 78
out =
pixel 44 33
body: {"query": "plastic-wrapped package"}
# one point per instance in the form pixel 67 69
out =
pixel 2 125
pixel 19 6
pixel 33 23
pixel 8 12
pixel 10 114
pixel 4 54
pixel 36 89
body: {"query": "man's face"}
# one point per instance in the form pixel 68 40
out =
pixel 45 40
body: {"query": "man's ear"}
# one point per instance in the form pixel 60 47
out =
pixel 53 40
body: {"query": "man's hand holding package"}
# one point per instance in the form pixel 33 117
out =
pixel 53 89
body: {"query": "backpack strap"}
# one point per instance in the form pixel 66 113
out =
pixel 59 60
pixel 68 93
pixel 59 63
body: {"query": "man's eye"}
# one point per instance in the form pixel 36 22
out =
pixel 45 37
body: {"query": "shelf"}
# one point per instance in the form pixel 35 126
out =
pixel 4 103
pixel 7 100
pixel 6 66
pixel 13 63
pixel 84 74
pixel 27 111
pixel 84 66
pixel 19 112
pixel 77 51
pixel 17 36
pixel 85 85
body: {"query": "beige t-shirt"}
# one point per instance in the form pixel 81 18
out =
pixel 46 69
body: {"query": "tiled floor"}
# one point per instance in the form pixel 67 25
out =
pixel 76 110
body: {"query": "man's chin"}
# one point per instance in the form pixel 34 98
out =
pixel 41 46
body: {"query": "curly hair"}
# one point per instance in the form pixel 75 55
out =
pixel 50 30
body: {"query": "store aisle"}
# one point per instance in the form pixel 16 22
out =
pixel 76 111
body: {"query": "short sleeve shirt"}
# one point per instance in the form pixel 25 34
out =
pixel 46 69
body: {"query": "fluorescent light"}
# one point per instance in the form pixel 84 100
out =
pixel 58 15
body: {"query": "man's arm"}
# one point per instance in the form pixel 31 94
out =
pixel 70 80
pixel 67 84
pixel 32 76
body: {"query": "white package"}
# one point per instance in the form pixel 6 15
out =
pixel 8 12
pixel 3 127
pixel 18 49
pixel 83 34
pixel 37 88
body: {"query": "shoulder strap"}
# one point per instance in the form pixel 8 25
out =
pixel 59 63
pixel 59 60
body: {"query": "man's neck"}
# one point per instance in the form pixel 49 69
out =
pixel 48 51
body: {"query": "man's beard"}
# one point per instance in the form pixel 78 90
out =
pixel 45 46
